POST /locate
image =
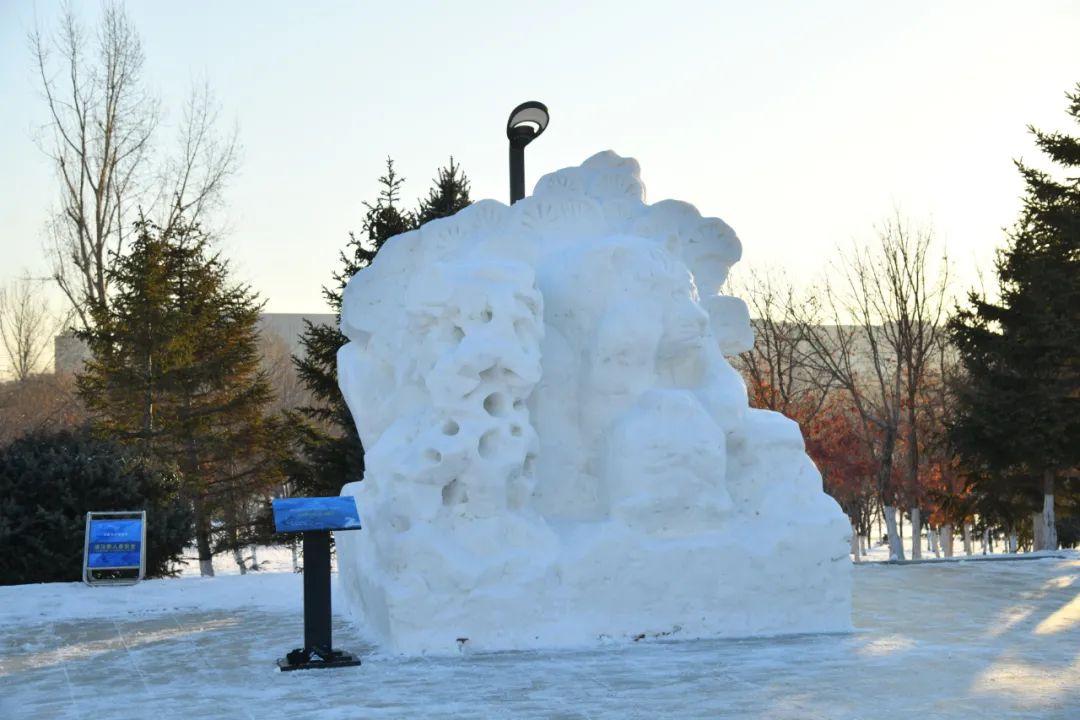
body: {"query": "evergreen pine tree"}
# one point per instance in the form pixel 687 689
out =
pixel 1019 400
pixel 449 193
pixel 328 451
pixel 175 373
pixel 48 482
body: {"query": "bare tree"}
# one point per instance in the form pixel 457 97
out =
pixel 27 327
pixel 919 293
pixel 40 402
pixel 191 180
pixel 775 367
pixel 781 375
pixel 289 392
pixel 942 488
pixel 101 123
pixel 873 330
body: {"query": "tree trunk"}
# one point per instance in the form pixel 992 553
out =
pixel 202 540
pixel 1038 532
pixel 916 534
pixel 1012 541
pixel 234 536
pixel 1049 530
pixel 933 532
pixel 295 559
pixel 946 539
pixel 967 538
pixel 189 465
pixel 986 541
pixel 896 546
pixel 855 555
pixel 254 557
pixel 238 558
pixel 912 376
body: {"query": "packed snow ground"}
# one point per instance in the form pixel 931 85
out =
pixel 932 641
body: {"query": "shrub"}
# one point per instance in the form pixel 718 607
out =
pixel 50 480
pixel 1068 530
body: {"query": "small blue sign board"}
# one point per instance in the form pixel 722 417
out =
pixel 316 513
pixel 114 543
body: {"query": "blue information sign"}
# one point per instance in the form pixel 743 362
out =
pixel 114 544
pixel 316 513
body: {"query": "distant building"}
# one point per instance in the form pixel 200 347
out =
pixel 69 352
pixel 290 326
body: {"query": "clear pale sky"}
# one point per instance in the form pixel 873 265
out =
pixel 801 124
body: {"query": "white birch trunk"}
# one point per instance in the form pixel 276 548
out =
pixel 1050 539
pixel 295 559
pixel 1012 542
pixel 934 546
pixel 967 538
pixel 896 547
pixel 916 534
pixel 946 539
pixel 238 558
pixel 856 555
pixel 1038 532
pixel 254 557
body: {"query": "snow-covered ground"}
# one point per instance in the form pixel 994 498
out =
pixel 880 553
pixel 278 558
pixel 879 549
pixel 270 558
pixel 986 639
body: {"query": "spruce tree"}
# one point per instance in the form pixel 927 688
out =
pixel 328 452
pixel 1019 400
pixel 449 193
pixel 175 373
pixel 50 480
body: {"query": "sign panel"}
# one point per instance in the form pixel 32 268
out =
pixel 316 513
pixel 114 544
pixel 114 551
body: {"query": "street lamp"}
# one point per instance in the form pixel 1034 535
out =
pixel 526 122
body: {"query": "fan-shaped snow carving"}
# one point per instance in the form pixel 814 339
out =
pixel 557 449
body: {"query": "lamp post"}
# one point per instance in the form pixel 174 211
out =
pixel 526 122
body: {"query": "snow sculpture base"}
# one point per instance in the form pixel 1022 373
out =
pixel 558 453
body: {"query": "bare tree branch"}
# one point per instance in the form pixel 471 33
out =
pixel 27 327
pixel 776 367
pixel 102 121
pixel 873 332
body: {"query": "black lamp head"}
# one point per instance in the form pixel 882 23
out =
pixel 526 122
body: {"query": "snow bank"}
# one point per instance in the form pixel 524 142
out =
pixel 557 450
pixel 55 602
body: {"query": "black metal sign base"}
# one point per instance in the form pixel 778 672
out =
pixel 318 651
pixel 300 660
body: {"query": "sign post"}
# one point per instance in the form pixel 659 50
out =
pixel 315 518
pixel 114 548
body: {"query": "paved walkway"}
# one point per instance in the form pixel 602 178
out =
pixel 995 640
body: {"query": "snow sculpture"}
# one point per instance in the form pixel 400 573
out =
pixel 557 450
